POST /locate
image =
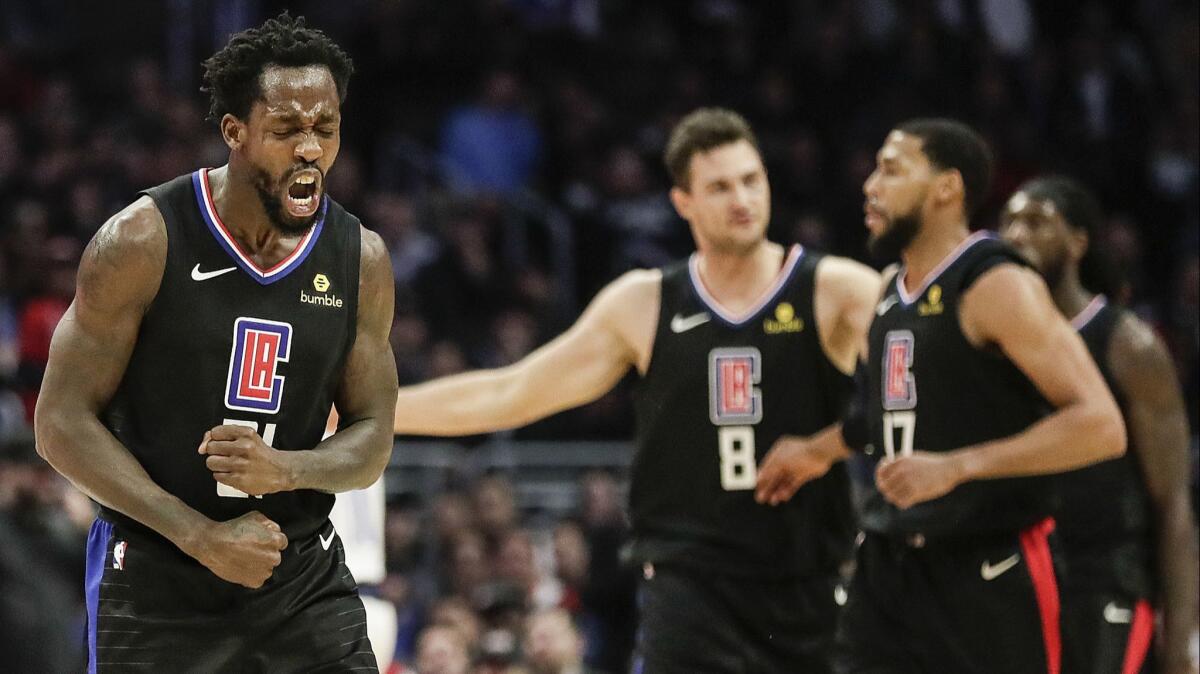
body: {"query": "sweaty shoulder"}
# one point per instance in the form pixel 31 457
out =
pixel 376 285
pixel 1136 355
pixel 123 264
pixel 373 256
pixel 846 277
pixel 628 307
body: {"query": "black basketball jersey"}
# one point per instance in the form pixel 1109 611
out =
pixel 1105 507
pixel 719 391
pixel 226 342
pixel 930 389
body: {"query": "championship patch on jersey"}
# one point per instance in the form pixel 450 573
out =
pixel 899 386
pixel 732 394
pixel 259 346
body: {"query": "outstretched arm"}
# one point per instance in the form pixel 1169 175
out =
pixel 1158 433
pixel 119 276
pixel 614 333
pixel 1010 307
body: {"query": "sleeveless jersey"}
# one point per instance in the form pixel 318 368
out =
pixel 1104 513
pixel 930 389
pixel 225 342
pixel 719 391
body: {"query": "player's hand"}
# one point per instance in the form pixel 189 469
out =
pixel 790 464
pixel 244 550
pixel 921 476
pixel 238 457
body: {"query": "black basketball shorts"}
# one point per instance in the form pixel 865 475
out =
pixel 694 622
pixel 985 605
pixel 151 608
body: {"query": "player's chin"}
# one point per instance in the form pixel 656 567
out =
pixel 293 223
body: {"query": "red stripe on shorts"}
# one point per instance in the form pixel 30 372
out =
pixel 1140 634
pixel 1036 550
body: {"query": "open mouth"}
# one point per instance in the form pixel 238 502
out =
pixel 873 219
pixel 304 194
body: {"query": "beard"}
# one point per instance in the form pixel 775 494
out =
pixel 1053 271
pixel 269 192
pixel 888 244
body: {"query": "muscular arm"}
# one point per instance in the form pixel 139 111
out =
pixel 1159 434
pixel 355 456
pixel 844 305
pixel 614 333
pixel 1010 307
pixel 119 276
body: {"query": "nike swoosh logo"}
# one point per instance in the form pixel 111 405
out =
pixel 993 571
pixel 681 323
pixel 198 275
pixel 325 542
pixel 887 303
pixel 1117 615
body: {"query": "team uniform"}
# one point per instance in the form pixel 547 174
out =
pixel 1104 527
pixel 730 585
pixel 226 342
pixel 965 582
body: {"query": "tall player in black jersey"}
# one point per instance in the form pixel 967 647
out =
pixel 216 321
pixel 972 379
pixel 1126 525
pixel 744 343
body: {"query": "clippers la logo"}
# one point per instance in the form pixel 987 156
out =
pixel 899 385
pixel 119 555
pixel 259 346
pixel 733 396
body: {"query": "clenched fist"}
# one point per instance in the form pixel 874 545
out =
pixel 244 550
pixel 239 458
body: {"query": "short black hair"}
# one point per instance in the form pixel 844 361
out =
pixel 1080 209
pixel 1078 205
pixel 950 144
pixel 701 131
pixel 232 76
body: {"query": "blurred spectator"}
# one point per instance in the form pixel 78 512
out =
pixel 43 523
pixel 442 650
pixel 553 645
pixel 60 257
pixel 492 145
pixel 516 563
pixel 495 506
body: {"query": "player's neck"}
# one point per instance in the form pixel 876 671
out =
pixel 1070 296
pixel 242 212
pixel 737 280
pixel 931 245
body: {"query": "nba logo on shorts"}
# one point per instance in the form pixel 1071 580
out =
pixel 119 555
pixel 259 346
pixel 732 396
pixel 899 387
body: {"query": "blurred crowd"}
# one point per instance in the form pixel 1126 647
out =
pixel 481 587
pixel 508 153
